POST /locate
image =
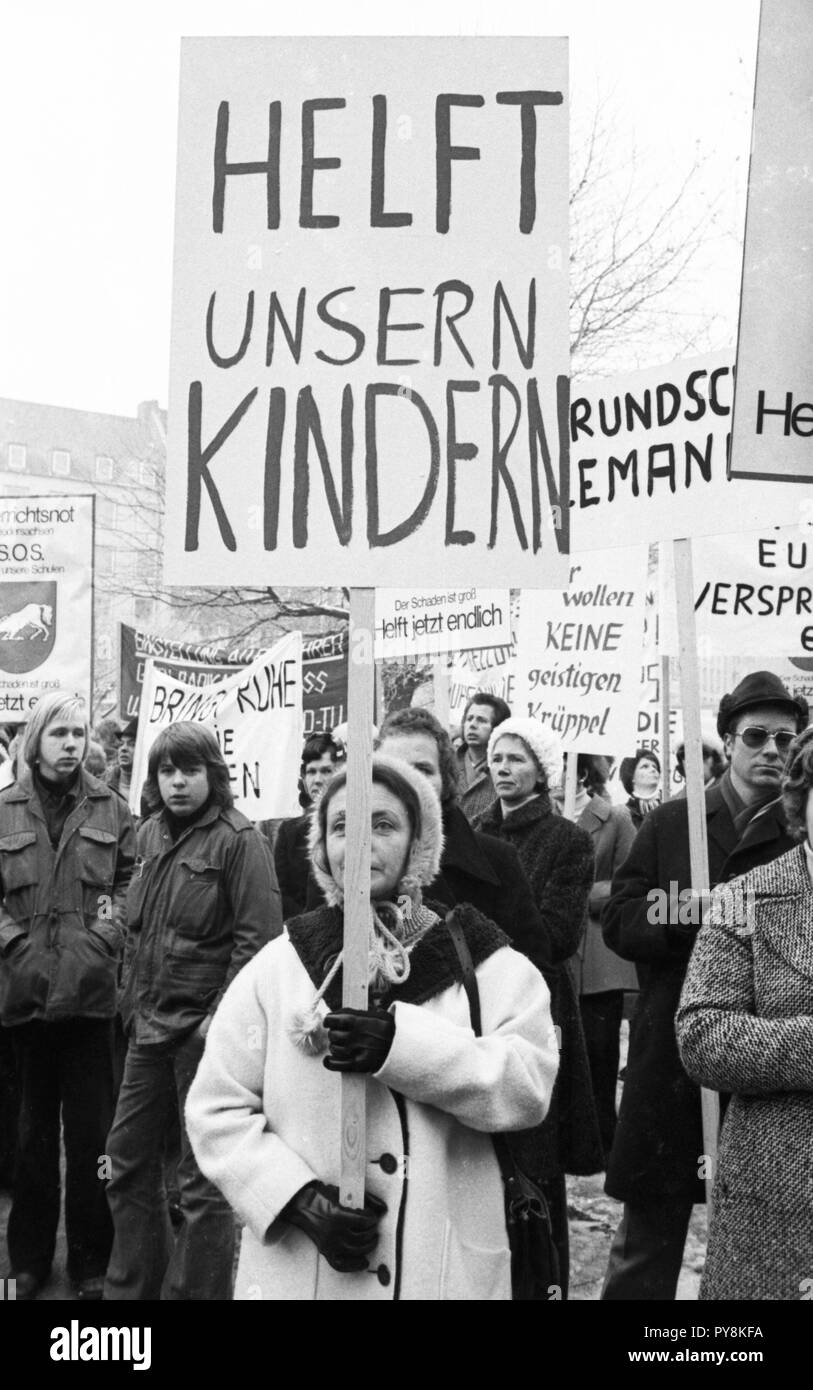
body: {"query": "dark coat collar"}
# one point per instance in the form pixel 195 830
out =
pixel 461 850
pixel 317 939
pixel 23 789
pixel 597 809
pixel 533 811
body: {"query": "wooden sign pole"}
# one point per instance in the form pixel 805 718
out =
pixel 440 687
pixel 695 792
pixel 571 769
pixel 357 882
pixel 666 750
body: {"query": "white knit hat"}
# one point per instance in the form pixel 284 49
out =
pixel 423 861
pixel 545 746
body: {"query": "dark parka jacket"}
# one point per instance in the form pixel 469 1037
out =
pixel 197 910
pixel 61 920
pixel 557 858
pixel 659 1139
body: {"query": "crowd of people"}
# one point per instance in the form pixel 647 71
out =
pixel 171 1015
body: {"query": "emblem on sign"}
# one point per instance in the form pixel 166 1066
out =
pixel 27 625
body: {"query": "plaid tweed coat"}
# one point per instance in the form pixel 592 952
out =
pixel 745 1025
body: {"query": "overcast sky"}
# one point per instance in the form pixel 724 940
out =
pixel 88 115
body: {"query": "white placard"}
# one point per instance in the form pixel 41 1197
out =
pixel 370 313
pixel 46 599
pixel 752 593
pixel 256 716
pixel 649 458
pixel 773 418
pixel 440 620
pixel 579 652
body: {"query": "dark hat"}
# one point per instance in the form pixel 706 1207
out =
pixel 760 688
pixel 129 729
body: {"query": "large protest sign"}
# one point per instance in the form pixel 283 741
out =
pixel 773 417
pixel 649 458
pixel 256 715
pixel 324 670
pixel 370 313
pixel 752 593
pixel 440 620
pixel 579 652
pixel 46 599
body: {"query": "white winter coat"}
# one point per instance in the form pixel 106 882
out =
pixel 263 1119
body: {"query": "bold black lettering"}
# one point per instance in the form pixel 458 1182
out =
pixel 275 314
pixel 445 152
pixel 525 351
pixel 309 426
pixel 662 391
pixel 622 469
pixel 378 217
pixel 455 451
pixel 418 516
pixel 310 162
pixel 703 461
pixel 273 466
pixel 558 492
pixel 215 356
pixel 452 287
pixel 268 166
pixel 527 102
pixel 713 400
pixel 197 470
pixel 696 396
pixel 342 326
pixel 580 412
pixel 385 297
pixel 499 453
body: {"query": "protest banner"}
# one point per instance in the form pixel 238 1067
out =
pixel 752 593
pixel 46 599
pixel 369 365
pixel 440 620
pixel 579 652
pixel 650 458
pixel 489 670
pixel 256 716
pixel 773 407
pixel 324 670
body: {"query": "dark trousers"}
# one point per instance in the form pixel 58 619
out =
pixel 65 1066
pixel 647 1250
pixel 555 1190
pixel 148 1262
pixel 601 1021
pixel 9 1108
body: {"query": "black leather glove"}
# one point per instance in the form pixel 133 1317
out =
pixel 359 1039
pixel 345 1237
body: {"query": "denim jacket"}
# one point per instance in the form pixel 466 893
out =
pixel 61 910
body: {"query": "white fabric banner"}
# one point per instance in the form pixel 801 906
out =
pixel 256 716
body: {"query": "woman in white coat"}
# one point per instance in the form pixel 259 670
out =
pixel 263 1111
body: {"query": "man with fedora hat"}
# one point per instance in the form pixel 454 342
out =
pixel 656 1166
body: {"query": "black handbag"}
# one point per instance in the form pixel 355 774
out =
pixel 534 1257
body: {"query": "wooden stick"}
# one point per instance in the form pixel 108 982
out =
pixel 695 792
pixel 666 750
pixel 440 684
pixel 571 769
pixel 357 882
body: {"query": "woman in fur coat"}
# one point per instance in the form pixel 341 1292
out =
pixel 263 1111
pixel 745 1025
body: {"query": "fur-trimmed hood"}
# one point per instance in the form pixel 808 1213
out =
pixel 423 862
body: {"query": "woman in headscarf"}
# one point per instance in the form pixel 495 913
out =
pixel 264 1109
pixel 745 1026
pixel 525 762
pixel 641 779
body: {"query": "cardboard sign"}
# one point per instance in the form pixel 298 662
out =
pixel 370 313
pixel 256 716
pixel 440 620
pixel 489 670
pixel 773 416
pixel 751 594
pixel 579 653
pixel 324 670
pixel 46 599
pixel 650 458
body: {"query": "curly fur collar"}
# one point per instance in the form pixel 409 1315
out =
pixel 317 939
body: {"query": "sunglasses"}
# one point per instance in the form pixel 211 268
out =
pixel 756 737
